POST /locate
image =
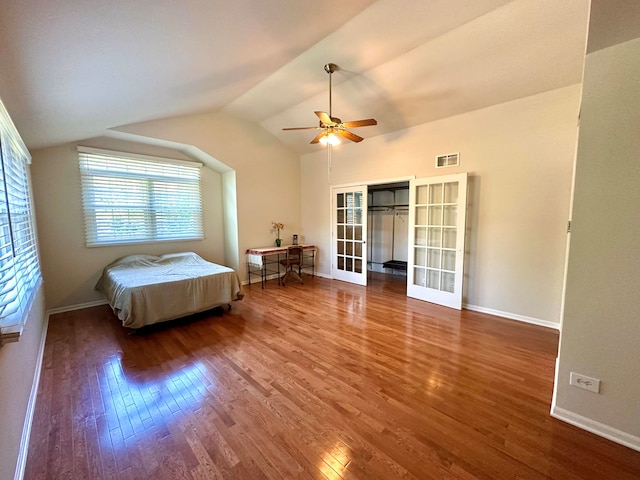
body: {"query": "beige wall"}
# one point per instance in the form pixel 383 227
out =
pixel 263 173
pixel 69 268
pixel 600 329
pixel 18 362
pixel 519 156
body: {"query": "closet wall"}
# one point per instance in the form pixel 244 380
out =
pixel 388 227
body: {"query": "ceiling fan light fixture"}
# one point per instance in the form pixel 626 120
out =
pixel 329 138
pixel 332 128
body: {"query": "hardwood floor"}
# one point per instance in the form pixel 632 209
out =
pixel 324 380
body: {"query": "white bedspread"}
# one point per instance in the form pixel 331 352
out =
pixel 147 289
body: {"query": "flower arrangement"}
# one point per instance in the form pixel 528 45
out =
pixel 277 226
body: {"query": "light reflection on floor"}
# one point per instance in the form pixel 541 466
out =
pixel 134 403
pixel 335 461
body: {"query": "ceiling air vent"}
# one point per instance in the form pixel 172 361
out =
pixel 448 160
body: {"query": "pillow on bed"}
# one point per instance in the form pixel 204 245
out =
pixel 145 259
pixel 180 257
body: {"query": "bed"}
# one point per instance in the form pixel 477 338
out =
pixel 147 289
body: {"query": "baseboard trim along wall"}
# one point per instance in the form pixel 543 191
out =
pixel 31 407
pixel 513 316
pixel 600 429
pixel 80 306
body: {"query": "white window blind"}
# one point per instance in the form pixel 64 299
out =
pixel 131 198
pixel 19 265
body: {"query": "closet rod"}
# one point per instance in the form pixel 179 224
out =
pixel 389 208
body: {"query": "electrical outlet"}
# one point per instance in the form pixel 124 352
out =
pixel 582 381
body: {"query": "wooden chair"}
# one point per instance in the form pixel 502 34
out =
pixel 293 258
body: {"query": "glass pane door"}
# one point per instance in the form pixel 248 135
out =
pixel 349 234
pixel 436 239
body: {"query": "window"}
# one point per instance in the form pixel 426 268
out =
pixel 19 265
pixel 131 198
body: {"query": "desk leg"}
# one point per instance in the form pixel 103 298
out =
pixel 278 269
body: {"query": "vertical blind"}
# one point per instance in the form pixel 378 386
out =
pixel 131 198
pixel 19 265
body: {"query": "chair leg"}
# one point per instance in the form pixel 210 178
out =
pixel 284 278
pixel 290 272
pixel 294 274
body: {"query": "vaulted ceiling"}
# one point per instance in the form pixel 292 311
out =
pixel 72 70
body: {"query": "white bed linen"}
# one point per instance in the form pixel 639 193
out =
pixel 147 289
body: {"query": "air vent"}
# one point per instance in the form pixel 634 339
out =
pixel 448 160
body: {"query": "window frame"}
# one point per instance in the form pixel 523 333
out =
pixel 20 275
pixel 128 199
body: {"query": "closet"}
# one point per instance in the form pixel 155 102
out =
pixel 388 227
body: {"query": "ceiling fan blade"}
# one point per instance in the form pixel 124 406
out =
pixel 318 137
pixel 302 128
pixel 348 135
pixel 325 119
pixel 360 123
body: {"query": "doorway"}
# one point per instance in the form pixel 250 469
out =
pixel 415 228
pixel 388 229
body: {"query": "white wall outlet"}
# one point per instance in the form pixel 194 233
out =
pixel 582 381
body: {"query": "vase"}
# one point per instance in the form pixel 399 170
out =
pixel 278 242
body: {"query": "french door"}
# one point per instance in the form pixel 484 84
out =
pixel 437 212
pixel 349 253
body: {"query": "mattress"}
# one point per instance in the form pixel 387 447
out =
pixel 147 289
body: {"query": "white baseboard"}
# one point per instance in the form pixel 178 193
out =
pixel 513 316
pixel 79 306
pixel 597 428
pixel 31 406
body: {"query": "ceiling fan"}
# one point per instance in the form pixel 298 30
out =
pixel 332 127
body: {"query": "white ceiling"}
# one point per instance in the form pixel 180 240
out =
pixel 71 70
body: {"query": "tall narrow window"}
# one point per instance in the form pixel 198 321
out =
pixel 19 265
pixel 131 198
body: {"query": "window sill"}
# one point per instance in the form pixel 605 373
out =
pixel 11 334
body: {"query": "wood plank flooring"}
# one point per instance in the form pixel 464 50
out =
pixel 324 380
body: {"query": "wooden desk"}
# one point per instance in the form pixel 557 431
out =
pixel 263 260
